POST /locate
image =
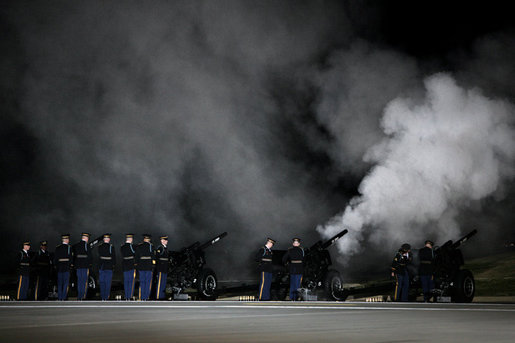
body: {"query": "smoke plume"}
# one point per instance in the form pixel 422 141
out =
pixel 439 156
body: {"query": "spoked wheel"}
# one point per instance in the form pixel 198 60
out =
pixel 464 287
pixel 207 284
pixel 333 286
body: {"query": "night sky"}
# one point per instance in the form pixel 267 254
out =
pixel 394 119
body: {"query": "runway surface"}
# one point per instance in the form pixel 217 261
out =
pixel 228 321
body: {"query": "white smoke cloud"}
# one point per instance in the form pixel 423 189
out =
pixel 455 148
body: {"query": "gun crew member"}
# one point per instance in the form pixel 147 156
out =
pixel 129 270
pixel 162 254
pixel 425 270
pixel 82 260
pixel 62 262
pixel 106 263
pixel 400 272
pixel 264 258
pixel 294 258
pixel 43 264
pixel 23 272
pixel 144 263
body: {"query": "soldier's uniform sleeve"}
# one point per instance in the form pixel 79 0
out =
pixel 395 262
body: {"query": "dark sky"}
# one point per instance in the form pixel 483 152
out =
pixel 256 118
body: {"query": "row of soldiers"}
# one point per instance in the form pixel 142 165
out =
pixel 141 258
pixel 293 258
pixel 399 269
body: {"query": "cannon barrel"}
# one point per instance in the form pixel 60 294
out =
pixel 450 245
pixel 462 240
pixel 212 241
pixel 329 242
pixel 95 241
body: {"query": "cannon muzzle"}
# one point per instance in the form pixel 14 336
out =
pixel 462 240
pixel 212 241
pixel 329 242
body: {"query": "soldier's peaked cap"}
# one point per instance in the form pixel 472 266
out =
pixel 26 242
pixel 106 235
pixel 85 234
pixel 163 237
pixel 270 240
pixel 295 239
pixel 429 242
pixel 43 243
pixel 129 235
pixel 65 235
pixel 146 235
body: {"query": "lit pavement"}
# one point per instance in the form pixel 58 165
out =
pixel 233 321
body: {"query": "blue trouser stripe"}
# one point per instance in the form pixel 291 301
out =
pixel 264 285
pixel 145 279
pixel 42 287
pixel 82 280
pixel 128 279
pixel 427 286
pixel 294 285
pixel 63 279
pixel 402 287
pixel 161 285
pixel 104 278
pixel 23 287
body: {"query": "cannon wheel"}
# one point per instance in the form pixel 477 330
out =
pixel 464 287
pixel 207 284
pixel 333 286
pixel 92 287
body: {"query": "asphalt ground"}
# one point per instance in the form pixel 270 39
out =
pixel 233 321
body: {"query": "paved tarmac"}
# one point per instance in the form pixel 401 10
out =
pixel 233 321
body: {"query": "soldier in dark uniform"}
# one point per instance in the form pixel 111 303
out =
pixel 144 263
pixel 23 272
pixel 62 262
pixel 400 272
pixel 162 267
pixel 82 260
pixel 264 258
pixel 106 263
pixel 425 270
pixel 129 271
pixel 294 257
pixel 43 265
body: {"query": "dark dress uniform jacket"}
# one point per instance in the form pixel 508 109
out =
pixel 63 258
pixel 82 257
pixel 144 256
pixel 294 256
pixel 24 264
pixel 162 254
pixel 128 254
pixel 426 261
pixel 43 262
pixel 264 257
pixel 400 262
pixel 106 257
